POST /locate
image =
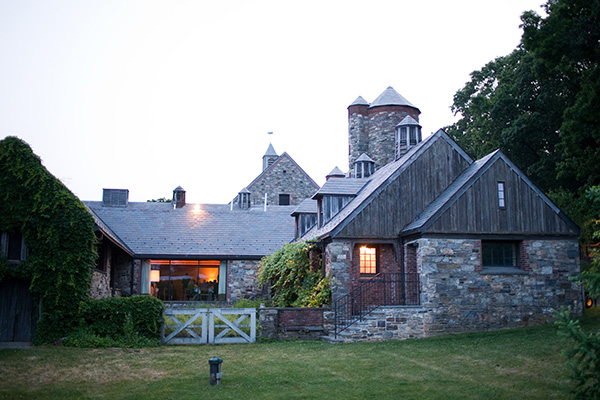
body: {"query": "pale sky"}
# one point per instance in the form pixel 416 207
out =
pixel 150 95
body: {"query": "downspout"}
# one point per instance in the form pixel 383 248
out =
pixel 132 276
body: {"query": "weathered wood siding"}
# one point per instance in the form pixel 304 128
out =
pixel 408 194
pixel 477 211
pixel 17 311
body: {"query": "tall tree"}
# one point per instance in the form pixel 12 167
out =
pixel 541 103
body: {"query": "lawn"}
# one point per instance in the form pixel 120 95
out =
pixel 514 364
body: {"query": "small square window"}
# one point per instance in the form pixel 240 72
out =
pixel 284 199
pixel 499 254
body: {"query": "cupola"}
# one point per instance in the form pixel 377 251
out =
pixel 178 197
pixel 335 173
pixel 364 166
pixel 269 157
pixel 408 134
pixel 244 199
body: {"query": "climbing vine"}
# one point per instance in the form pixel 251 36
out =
pixel 293 280
pixel 58 232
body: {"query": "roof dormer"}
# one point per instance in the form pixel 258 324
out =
pixel 364 166
pixel 408 135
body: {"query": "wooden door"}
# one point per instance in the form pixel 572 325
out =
pixel 17 311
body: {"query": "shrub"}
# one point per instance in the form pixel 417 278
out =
pixel 288 272
pixel 124 321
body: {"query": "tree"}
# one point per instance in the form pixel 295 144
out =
pixel 541 103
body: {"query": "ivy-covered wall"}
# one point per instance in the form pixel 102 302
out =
pixel 58 232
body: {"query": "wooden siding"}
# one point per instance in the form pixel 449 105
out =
pixel 408 194
pixel 477 211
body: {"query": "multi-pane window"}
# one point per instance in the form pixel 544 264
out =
pixel 501 195
pixel 499 254
pixel 368 260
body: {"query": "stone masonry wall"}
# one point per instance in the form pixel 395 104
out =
pixel 241 279
pixel 337 264
pixel 283 177
pixel 100 285
pixel 382 133
pixel 461 297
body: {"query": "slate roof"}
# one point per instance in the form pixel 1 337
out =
pixel 390 97
pixel 336 172
pixel 157 230
pixel 377 183
pixel 359 102
pixel 270 151
pixel 340 186
pixel 408 120
pixel 308 206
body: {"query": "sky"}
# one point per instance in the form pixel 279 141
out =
pixel 149 95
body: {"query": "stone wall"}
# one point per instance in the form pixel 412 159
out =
pixel 295 323
pixel 100 285
pixel 337 264
pixel 241 279
pixel 284 177
pixel 460 296
pixel 388 323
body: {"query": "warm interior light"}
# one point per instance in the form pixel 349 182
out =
pixel 154 275
pixel 588 302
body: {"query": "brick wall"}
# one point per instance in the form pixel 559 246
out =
pixel 295 323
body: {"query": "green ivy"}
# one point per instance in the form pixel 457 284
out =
pixel 59 234
pixel 132 321
pixel 287 271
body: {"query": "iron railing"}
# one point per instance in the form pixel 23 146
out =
pixel 384 289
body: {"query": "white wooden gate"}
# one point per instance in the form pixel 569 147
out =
pixel 209 325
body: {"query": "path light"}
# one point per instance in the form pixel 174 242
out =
pixel 215 370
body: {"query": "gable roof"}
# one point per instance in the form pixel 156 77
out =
pixel 377 182
pixel 464 182
pixel 203 231
pixel 271 167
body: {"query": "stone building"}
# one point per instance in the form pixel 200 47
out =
pixel 434 241
pixel 183 252
pixel 282 181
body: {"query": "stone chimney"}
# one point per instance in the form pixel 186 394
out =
pixel 178 197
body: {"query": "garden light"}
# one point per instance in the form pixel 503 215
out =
pixel 215 370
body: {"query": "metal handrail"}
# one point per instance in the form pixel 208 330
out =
pixel 383 289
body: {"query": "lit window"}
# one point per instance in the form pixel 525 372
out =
pixel 501 199
pixel 368 260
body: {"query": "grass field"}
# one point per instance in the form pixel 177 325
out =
pixel 514 364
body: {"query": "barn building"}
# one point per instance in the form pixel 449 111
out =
pixel 432 240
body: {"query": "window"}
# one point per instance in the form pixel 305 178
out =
pixel 501 199
pixel 499 254
pixel 184 280
pixel 284 199
pixel 12 246
pixel 368 260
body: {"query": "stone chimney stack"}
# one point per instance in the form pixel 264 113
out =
pixel 178 197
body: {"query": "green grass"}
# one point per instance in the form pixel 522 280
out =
pixel 514 364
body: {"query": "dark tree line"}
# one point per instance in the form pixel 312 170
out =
pixel 541 105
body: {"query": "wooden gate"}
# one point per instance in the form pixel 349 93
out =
pixel 209 325
pixel 17 311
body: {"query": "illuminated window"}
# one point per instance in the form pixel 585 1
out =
pixel 368 260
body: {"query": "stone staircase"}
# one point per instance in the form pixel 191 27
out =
pixel 384 323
